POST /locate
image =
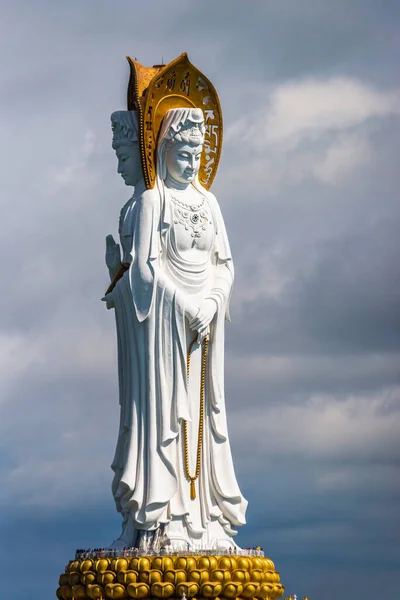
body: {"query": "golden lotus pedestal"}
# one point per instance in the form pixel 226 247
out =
pixel 167 576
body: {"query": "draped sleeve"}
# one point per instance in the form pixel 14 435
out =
pixel 224 270
pixel 146 249
pixel 151 221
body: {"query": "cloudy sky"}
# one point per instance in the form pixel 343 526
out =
pixel 309 187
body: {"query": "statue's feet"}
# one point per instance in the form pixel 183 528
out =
pixel 119 544
pixel 127 536
pixel 177 543
pixel 226 544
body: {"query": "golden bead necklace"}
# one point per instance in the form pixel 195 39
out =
pixel 192 478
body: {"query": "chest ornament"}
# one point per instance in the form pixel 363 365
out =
pixel 193 217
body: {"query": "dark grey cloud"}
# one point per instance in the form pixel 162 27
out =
pixel 285 39
pixel 349 303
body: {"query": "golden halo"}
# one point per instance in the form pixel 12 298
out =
pixel 152 91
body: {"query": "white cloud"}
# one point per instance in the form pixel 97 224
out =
pixel 310 108
pixel 341 157
pixel 313 129
pixel 323 429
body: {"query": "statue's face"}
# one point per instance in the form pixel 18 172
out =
pixel 183 161
pixel 129 165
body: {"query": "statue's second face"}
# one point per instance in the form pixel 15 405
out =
pixel 129 165
pixel 183 161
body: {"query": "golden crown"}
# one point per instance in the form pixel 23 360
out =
pixel 152 91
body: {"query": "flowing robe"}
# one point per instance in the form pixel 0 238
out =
pixel 169 266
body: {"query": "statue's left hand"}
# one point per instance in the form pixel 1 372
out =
pixel 206 313
pixel 113 254
pixel 109 300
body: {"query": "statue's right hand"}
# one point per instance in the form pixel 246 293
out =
pixel 205 315
pixel 191 311
pixel 113 254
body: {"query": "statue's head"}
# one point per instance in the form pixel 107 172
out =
pixel 125 142
pixel 180 145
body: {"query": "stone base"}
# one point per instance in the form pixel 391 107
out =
pixel 155 577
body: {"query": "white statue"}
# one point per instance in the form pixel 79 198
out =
pixel 126 145
pixel 177 280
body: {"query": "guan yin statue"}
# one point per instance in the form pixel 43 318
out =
pixel 174 478
pixel 171 281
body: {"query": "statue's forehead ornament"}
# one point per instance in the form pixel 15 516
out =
pixel 153 91
pixel 191 135
pixel 192 131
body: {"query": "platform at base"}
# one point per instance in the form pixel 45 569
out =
pixel 155 577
